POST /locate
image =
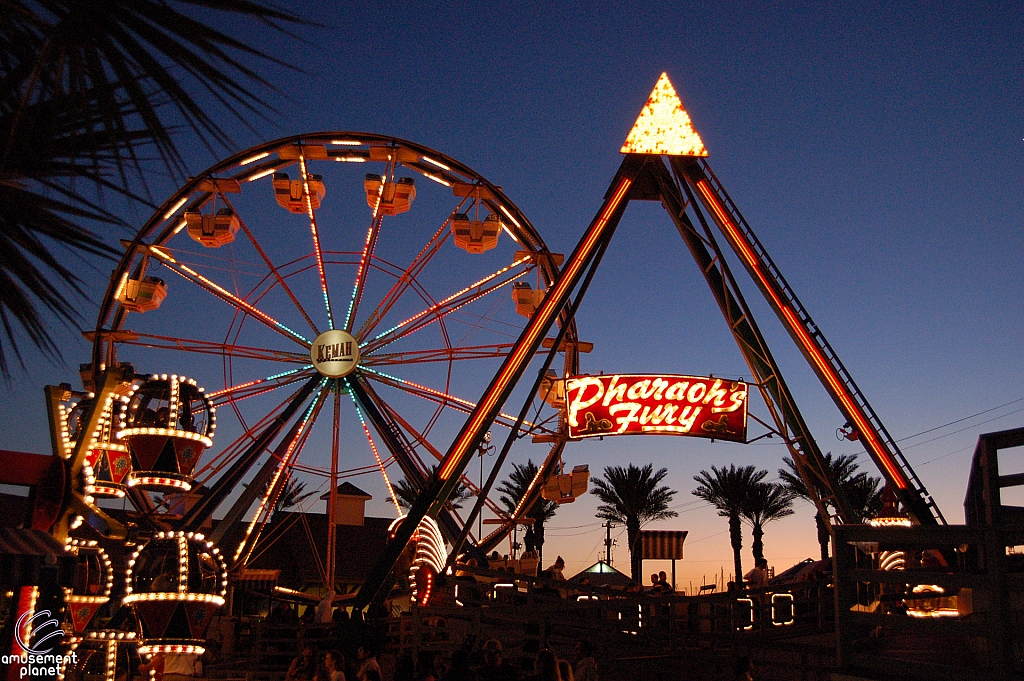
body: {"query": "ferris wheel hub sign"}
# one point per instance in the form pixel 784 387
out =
pixel 335 353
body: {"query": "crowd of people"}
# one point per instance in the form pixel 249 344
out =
pixel 491 665
pixel 332 665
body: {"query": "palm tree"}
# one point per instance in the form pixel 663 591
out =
pixel 90 91
pixel 631 496
pixel 407 494
pixel 768 502
pixel 861 490
pixel 293 494
pixel 543 510
pixel 864 493
pixel 729 490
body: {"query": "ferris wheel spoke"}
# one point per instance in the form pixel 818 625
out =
pixel 193 345
pixel 242 391
pixel 364 262
pixel 189 274
pixel 405 280
pixel 276 272
pixel 422 440
pixel 466 296
pixel 381 465
pixel 234 448
pixel 445 399
pixel 316 238
pixel 439 355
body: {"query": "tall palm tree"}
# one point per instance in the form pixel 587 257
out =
pixel 729 490
pixel 90 91
pixel 864 493
pixel 631 496
pixel 407 494
pixel 293 494
pixel 767 503
pixel 861 490
pixel 511 491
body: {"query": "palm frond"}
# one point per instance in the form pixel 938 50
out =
pixel 90 92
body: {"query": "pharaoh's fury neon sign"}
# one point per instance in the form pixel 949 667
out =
pixel 626 404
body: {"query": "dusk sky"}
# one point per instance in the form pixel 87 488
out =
pixel 876 149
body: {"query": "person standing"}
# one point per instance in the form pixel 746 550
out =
pixel 325 608
pixel 368 663
pixel 334 662
pixel 663 584
pixel 495 668
pixel 758 576
pixel 303 667
pixel 585 668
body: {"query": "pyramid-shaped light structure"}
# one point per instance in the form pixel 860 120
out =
pixel 663 126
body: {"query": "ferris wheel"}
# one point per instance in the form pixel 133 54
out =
pixel 342 297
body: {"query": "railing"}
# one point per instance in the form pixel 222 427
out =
pixel 940 616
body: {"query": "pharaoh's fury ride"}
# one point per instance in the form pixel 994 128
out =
pixel 348 295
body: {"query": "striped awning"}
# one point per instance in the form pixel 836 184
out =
pixel 260 581
pixel 15 541
pixel 662 544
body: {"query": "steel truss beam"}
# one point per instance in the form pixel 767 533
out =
pixel 810 340
pixel 806 455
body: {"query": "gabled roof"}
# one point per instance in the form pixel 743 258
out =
pixel 347 489
pixel 357 548
pixel 601 574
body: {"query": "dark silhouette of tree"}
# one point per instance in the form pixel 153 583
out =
pixel 767 503
pixel 90 92
pixel 861 490
pixel 407 494
pixel 511 491
pixel 730 490
pixel 864 493
pixel 631 496
pixel 293 494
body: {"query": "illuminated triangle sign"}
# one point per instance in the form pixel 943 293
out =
pixel 663 126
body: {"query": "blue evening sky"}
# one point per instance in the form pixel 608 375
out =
pixel 877 149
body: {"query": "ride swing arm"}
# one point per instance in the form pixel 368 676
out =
pixel 789 422
pixel 824 361
pixel 430 502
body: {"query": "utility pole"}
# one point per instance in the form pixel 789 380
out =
pixel 608 542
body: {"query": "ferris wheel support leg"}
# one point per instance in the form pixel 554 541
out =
pixel 226 534
pixel 227 482
pixel 377 585
pixel 811 342
pixel 807 457
pixel 412 466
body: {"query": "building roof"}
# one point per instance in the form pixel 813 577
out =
pixel 347 489
pixel 601 574
pixel 298 535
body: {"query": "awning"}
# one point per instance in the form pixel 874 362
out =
pixel 260 581
pixel 15 541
